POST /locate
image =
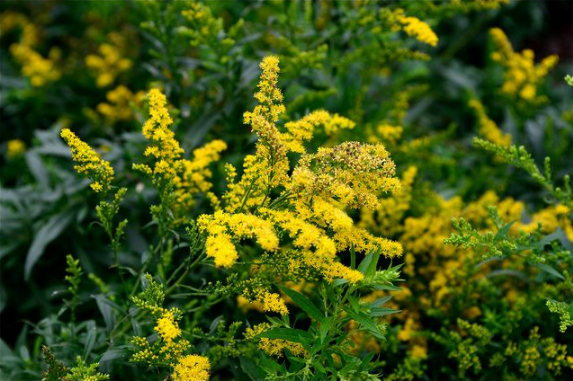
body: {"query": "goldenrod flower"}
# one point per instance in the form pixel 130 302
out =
pixel 89 162
pixel 418 29
pixel 386 219
pixel 222 250
pixel 192 368
pixel 119 106
pixel 352 173
pixel 205 28
pixel 221 227
pixel 40 70
pixel 522 77
pixel 303 129
pixel 274 347
pixel 167 327
pixel 163 145
pixel 273 302
pixel 389 133
pixel 487 127
pixel 109 63
pixel 15 148
pixel 11 20
pixel 269 95
pixel 194 177
pixel 419 351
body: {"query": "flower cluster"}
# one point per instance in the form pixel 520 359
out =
pixel 178 180
pixel 89 162
pixel 204 27
pixel 351 173
pixel 522 76
pixel 164 148
pixel 191 367
pixel 109 62
pixel 297 216
pixel 39 69
pixel 386 218
pixel 168 350
pixel 195 177
pixel 303 129
pixel 120 104
pixel 443 276
pixel 28 31
pixel 222 227
pixel 274 347
pixel 418 29
pixel 487 127
pixel 15 148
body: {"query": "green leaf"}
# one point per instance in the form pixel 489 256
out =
pixel 46 234
pixel 276 321
pixel 215 324
pixel 325 326
pixel 105 307
pixel 339 282
pixel 106 361
pixel 380 301
pixel 251 369
pixel 503 232
pixel 90 338
pixel 289 334
pixel 36 166
pixel 366 322
pixel 550 270
pixel 5 349
pixel 354 303
pixel 365 263
pixel 387 287
pixel 382 311
pixel 369 263
pixel 114 354
pixel 319 367
pixel 306 305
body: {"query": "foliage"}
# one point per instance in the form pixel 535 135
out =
pixel 285 190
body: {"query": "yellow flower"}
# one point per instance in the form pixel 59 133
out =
pixel 11 20
pixel 522 77
pixel 195 176
pixel 303 129
pixel 272 302
pixel 352 173
pixel 221 227
pixel 120 104
pixel 274 347
pixel 487 127
pixel 418 29
pixel 551 218
pixel 40 70
pixel 305 207
pixel 109 62
pixel 16 147
pixel 222 250
pixel 389 133
pixel 167 327
pixel 192 368
pixel 89 162
pixel 163 145
pixel 204 27
pixel 419 351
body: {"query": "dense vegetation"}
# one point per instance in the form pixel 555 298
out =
pixel 286 190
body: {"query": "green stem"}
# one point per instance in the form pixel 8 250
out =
pixel 182 277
